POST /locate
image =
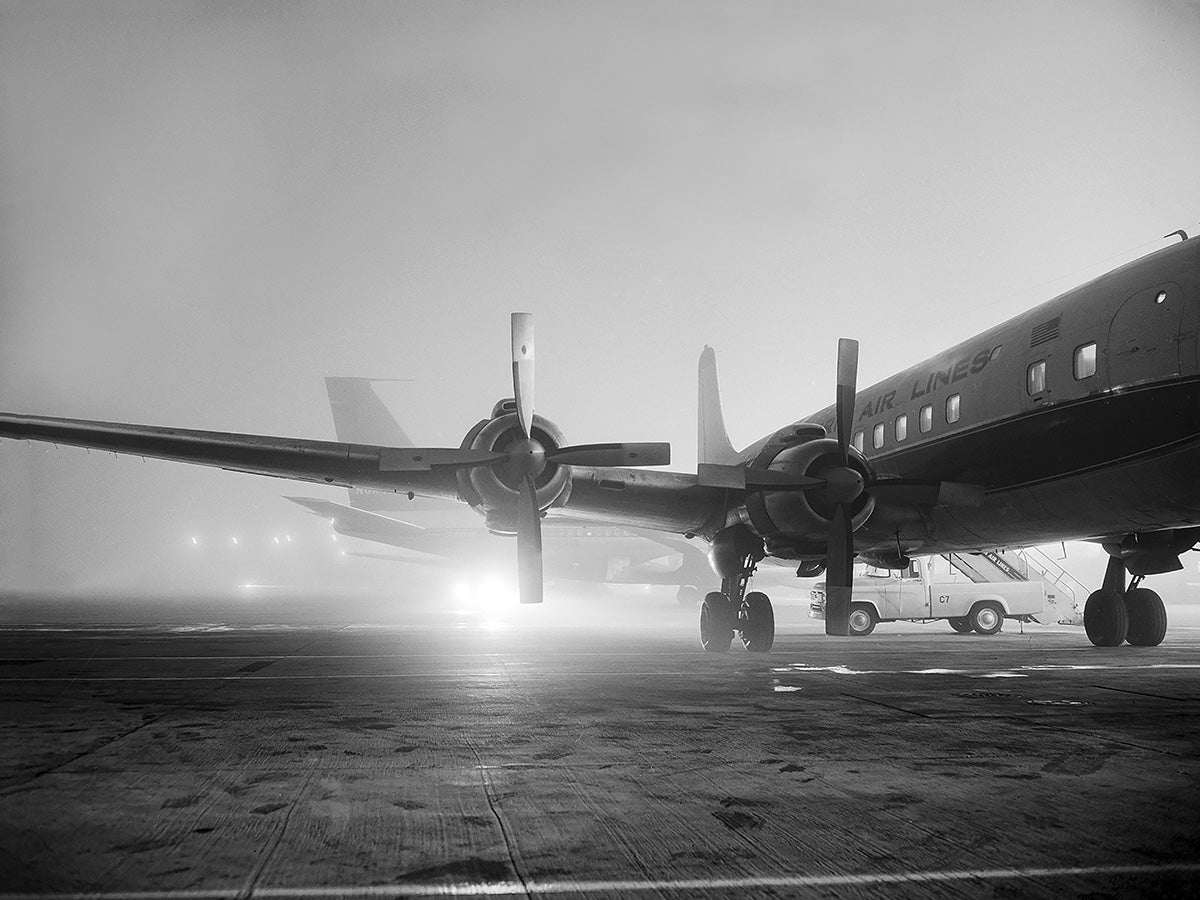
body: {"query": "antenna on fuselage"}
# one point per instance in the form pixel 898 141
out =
pixel 1183 235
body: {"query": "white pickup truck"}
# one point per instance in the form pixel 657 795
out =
pixel 931 589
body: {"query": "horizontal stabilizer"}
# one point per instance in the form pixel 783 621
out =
pixel 351 521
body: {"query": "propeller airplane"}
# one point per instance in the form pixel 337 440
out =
pixel 1076 420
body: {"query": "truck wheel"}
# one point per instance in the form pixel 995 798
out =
pixel 1147 618
pixel 716 623
pixel 862 619
pixel 961 625
pixel 986 617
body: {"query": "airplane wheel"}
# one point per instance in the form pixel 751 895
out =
pixel 1147 618
pixel 986 618
pixel 758 622
pixel 961 625
pixel 862 619
pixel 716 623
pixel 1105 618
pixel 688 596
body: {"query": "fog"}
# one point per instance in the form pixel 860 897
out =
pixel 205 208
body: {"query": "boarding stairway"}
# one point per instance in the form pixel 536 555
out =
pixel 1027 564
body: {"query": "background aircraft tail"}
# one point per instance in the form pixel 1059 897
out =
pixel 360 417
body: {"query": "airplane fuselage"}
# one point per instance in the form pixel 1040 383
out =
pixel 1080 417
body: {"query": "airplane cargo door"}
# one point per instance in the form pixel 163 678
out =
pixel 1144 338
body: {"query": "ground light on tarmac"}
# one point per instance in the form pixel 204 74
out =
pixel 510 752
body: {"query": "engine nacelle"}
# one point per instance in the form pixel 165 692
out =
pixel 495 489
pixel 730 549
pixel 803 518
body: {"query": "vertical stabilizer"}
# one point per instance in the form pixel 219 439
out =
pixel 359 416
pixel 716 461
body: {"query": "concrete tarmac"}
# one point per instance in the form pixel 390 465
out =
pixel 520 752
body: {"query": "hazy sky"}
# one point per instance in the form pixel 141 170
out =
pixel 207 207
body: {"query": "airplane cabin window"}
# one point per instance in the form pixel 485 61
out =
pixel 1085 361
pixel 877 436
pixel 901 427
pixel 858 441
pixel 953 405
pixel 926 420
pixel 1036 381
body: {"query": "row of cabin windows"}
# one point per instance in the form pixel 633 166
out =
pixel 1084 367
pixel 924 422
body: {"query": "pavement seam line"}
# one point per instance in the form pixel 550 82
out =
pixel 510 844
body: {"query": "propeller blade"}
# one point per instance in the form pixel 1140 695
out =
pixel 643 454
pixel 522 363
pixel 847 388
pixel 425 459
pixel 529 543
pixel 839 577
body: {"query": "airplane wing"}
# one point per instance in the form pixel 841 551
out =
pixel 659 500
pixel 320 462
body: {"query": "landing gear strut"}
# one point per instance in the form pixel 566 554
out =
pixel 1114 615
pixel 735 553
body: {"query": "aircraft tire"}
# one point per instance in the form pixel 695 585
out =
pixel 716 623
pixel 960 624
pixel 1147 618
pixel 688 596
pixel 986 618
pixel 758 622
pixel 1105 618
pixel 862 619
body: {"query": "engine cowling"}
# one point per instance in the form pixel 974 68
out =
pixel 494 489
pixel 801 519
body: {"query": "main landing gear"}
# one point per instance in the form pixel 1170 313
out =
pixel 736 552
pixel 1114 615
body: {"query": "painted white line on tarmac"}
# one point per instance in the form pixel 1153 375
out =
pixel 515 888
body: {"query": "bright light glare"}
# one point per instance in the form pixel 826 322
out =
pixel 483 593
pixel 195 541
pixel 234 540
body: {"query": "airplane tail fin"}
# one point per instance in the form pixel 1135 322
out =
pixel 359 416
pixel 717 462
